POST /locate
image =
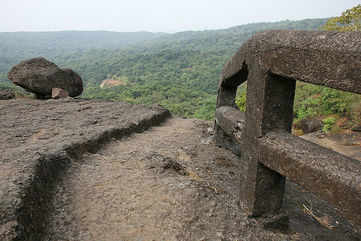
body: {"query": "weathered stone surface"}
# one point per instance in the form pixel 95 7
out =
pixel 41 139
pixel 230 124
pixel 271 62
pixel 57 93
pixel 167 183
pixel 231 120
pixel 309 125
pixel 334 177
pixel 6 95
pixel 169 176
pixel 331 59
pixel 40 76
pixel 316 168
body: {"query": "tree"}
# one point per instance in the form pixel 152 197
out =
pixel 350 20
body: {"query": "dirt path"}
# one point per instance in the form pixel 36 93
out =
pixel 168 183
pixel 140 188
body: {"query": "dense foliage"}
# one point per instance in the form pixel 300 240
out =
pixel 350 20
pixel 179 71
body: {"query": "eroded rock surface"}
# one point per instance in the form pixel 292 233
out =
pixel 59 179
pixel 40 140
pixel 271 62
pixel 173 183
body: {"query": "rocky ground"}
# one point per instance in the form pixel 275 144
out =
pixel 40 140
pixel 99 177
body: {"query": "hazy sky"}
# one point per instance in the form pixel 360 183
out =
pixel 157 15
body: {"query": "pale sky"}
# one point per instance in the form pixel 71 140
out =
pixel 157 15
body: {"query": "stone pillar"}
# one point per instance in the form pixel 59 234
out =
pixel 269 108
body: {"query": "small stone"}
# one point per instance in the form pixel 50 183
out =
pixel 57 93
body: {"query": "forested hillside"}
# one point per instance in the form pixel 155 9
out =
pixel 179 71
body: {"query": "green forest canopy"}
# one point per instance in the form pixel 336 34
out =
pixel 179 71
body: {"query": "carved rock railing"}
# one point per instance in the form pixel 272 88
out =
pixel 271 62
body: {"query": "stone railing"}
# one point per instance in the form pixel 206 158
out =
pixel 271 62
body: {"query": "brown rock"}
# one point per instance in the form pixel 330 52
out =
pixel 57 93
pixel 40 76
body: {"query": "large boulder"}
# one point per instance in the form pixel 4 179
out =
pixel 40 76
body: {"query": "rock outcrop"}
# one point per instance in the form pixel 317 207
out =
pixel 40 76
pixel 39 140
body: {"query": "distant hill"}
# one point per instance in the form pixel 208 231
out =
pixel 224 38
pixel 16 46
